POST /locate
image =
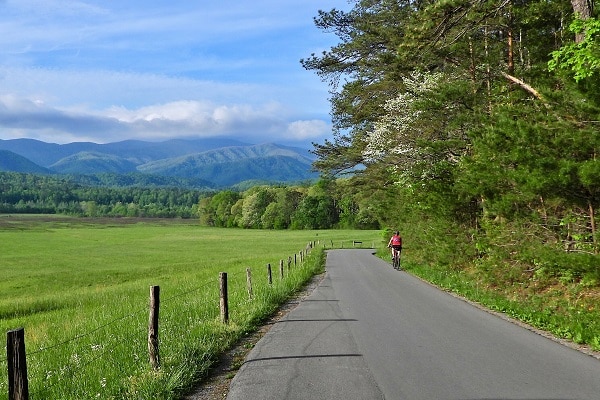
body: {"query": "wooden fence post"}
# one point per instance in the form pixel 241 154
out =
pixel 269 274
pixel 281 269
pixel 249 282
pixel 224 301
pixel 153 347
pixel 295 259
pixel 289 263
pixel 18 386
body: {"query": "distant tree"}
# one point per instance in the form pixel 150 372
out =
pixel 315 212
pixel 89 208
pixel 254 206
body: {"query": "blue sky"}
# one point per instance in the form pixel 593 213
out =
pixel 105 71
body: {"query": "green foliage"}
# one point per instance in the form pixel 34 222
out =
pixel 581 59
pixel 468 132
pixel 511 270
pixel 136 179
pixel 367 62
pixel 327 204
pixel 315 212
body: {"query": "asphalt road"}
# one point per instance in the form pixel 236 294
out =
pixel 370 332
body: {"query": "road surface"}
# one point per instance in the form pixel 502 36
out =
pixel 370 332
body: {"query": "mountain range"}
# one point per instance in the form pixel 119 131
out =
pixel 219 162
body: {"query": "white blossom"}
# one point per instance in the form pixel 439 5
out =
pixel 394 132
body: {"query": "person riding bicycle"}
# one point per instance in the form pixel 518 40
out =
pixel 395 243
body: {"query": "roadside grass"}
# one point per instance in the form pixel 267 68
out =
pixel 80 288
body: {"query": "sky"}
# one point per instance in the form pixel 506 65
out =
pixel 105 70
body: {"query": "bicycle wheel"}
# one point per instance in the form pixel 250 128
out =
pixel 395 261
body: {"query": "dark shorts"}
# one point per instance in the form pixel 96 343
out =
pixel 397 248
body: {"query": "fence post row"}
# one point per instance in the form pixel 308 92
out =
pixel 153 347
pixel 18 387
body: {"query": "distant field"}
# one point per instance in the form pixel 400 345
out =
pixel 64 277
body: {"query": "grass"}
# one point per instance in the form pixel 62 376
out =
pixel 80 288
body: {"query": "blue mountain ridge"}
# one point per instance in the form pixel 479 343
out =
pixel 223 162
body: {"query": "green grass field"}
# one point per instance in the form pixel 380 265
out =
pixel 80 289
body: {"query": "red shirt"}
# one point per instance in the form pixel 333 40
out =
pixel 396 240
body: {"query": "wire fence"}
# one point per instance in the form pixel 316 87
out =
pixel 112 357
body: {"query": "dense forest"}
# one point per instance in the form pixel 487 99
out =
pixel 103 195
pixel 476 118
pixel 326 204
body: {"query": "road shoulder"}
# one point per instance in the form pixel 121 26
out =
pixel 216 386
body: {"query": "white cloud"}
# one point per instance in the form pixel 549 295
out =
pixel 157 122
pixel 310 129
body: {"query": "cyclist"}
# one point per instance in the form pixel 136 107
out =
pixel 395 243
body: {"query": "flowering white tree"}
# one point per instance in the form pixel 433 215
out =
pixel 396 133
pixel 415 122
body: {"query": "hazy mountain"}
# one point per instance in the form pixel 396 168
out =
pixel 90 162
pixel 221 156
pixel 12 162
pixel 223 162
pixel 136 151
pixel 232 165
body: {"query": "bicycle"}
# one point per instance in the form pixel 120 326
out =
pixel 396 258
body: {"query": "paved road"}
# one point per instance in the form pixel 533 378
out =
pixel 370 332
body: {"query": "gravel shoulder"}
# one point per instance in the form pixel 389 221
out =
pixel 216 386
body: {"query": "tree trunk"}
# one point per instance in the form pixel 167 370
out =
pixel 526 87
pixel 583 10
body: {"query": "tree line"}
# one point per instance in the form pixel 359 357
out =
pixel 329 203
pixel 45 194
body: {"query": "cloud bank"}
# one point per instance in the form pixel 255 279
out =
pixel 90 70
pixel 157 122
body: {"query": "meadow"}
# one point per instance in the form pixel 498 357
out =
pixel 80 289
